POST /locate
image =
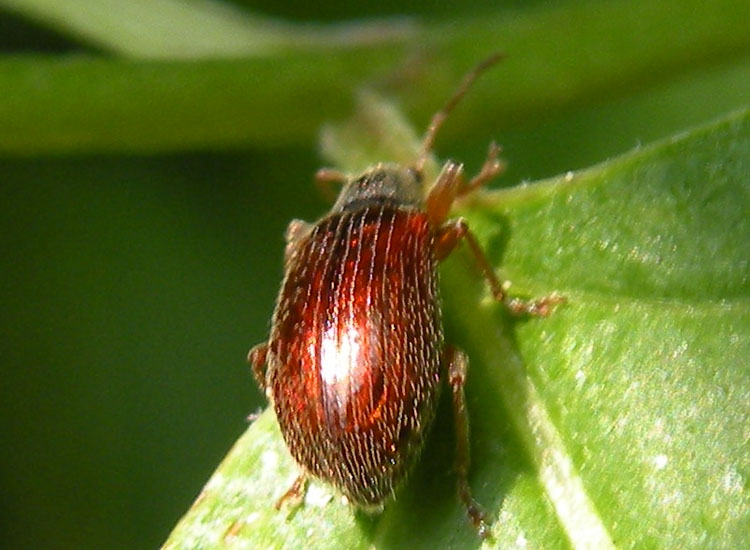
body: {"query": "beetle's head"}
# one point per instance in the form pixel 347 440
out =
pixel 400 185
pixel 384 183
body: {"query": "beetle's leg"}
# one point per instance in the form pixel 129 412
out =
pixel 451 184
pixel 443 192
pixel 257 359
pixel 295 493
pixel 295 231
pixel 493 166
pixel 448 236
pixel 457 363
pixel 325 177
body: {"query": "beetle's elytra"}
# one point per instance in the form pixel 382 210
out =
pixel 354 362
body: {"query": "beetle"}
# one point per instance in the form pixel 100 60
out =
pixel 356 357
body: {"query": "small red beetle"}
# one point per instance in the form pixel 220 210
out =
pixel 354 361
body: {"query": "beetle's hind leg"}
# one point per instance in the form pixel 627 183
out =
pixel 456 364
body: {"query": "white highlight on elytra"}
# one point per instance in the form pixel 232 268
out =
pixel 337 355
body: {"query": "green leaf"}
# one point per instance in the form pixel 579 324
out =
pixel 95 104
pixel 281 94
pixel 621 421
pixel 179 29
pixel 642 376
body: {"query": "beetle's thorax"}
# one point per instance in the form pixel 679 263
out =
pixel 384 183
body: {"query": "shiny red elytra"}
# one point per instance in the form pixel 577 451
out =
pixel 355 359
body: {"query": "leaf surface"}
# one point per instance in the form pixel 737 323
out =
pixel 620 421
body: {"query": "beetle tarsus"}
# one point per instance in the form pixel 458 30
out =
pixel 295 494
pixel 493 166
pixel 476 515
pixel 539 307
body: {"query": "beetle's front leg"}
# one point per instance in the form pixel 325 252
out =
pixel 296 231
pixel 451 184
pixel 325 178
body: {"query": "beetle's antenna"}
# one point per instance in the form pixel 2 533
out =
pixel 439 118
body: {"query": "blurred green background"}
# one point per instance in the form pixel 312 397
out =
pixel 136 275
